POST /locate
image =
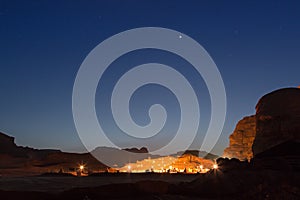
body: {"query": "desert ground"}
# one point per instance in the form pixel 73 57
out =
pixel 55 184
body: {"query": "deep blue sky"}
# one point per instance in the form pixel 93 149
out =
pixel 255 44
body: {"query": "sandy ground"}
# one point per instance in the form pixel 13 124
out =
pixel 58 184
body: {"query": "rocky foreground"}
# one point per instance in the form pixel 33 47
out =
pixel 239 181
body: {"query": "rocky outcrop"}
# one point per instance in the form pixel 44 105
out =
pixel 241 140
pixel 277 119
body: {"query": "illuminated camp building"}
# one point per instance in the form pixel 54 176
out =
pixel 186 163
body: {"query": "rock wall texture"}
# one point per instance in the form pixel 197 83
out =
pixel 241 140
pixel 277 119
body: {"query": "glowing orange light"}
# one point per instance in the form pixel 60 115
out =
pixel 81 167
pixel 215 166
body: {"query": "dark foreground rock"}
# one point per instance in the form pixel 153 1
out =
pixel 234 184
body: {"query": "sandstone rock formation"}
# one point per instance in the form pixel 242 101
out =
pixel 241 139
pixel 277 119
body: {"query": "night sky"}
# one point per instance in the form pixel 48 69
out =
pixel 255 44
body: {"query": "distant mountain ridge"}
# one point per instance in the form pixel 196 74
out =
pixel 198 153
pixel 136 150
pixel 26 159
pixel 18 160
pixel 119 157
pixel 8 146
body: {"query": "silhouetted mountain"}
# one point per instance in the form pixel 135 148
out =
pixel 8 147
pixel 201 154
pixel 7 143
pixel 136 150
pixel 24 160
pixel 118 157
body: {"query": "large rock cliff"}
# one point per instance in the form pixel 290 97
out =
pixel 277 119
pixel 241 140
